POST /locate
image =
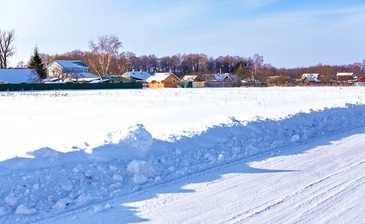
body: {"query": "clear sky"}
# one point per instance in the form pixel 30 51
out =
pixel 287 33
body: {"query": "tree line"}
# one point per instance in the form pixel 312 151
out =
pixel 104 58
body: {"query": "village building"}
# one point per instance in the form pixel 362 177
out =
pixel 70 71
pixel 311 78
pixel 136 75
pixel 188 80
pixel 223 80
pixel 346 76
pixel 163 80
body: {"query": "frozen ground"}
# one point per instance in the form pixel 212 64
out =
pixel 260 155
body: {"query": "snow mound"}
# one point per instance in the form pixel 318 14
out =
pixel 51 182
pixel 141 170
pixel 137 137
pixel 134 142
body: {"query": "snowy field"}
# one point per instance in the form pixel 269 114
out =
pixel 230 155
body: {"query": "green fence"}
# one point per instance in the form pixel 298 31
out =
pixel 70 86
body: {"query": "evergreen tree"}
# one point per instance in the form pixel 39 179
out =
pixel 37 64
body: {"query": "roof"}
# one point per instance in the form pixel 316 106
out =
pixel 71 63
pixel 159 77
pixel 18 76
pixel 221 77
pixel 312 77
pixel 345 74
pixel 137 75
pixel 189 78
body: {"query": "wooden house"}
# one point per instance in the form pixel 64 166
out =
pixel 163 80
pixel 70 71
pixel 346 76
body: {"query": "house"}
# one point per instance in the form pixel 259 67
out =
pixel 17 76
pixel 136 75
pixel 188 80
pixel 70 71
pixel 223 80
pixel 346 76
pixel 163 80
pixel 311 78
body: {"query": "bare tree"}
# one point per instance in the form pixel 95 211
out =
pixel 103 51
pixel 6 49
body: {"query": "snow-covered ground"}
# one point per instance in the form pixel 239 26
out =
pixel 231 155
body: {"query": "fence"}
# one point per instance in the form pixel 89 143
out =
pixel 69 86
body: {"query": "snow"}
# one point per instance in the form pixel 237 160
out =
pixel 17 76
pixel 71 63
pixel 158 77
pixel 210 155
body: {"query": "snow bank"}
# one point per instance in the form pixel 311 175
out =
pixel 58 182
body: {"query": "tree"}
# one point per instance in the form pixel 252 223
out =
pixel 6 49
pixel 241 70
pixel 36 63
pixel 103 51
pixel 257 62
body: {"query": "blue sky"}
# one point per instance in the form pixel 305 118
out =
pixel 286 33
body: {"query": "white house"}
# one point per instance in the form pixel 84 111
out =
pixel 17 76
pixel 311 77
pixel 70 71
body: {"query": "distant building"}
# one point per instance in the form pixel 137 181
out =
pixel 346 76
pixel 223 80
pixel 17 76
pixel 136 75
pixel 70 71
pixel 163 80
pixel 311 78
pixel 188 80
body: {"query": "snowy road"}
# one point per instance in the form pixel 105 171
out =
pixel 322 181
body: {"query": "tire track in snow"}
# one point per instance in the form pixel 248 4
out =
pixel 311 195
pixel 315 198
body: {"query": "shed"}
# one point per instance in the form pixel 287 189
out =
pixel 17 76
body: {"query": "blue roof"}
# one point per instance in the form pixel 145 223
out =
pixel 221 77
pixel 71 63
pixel 18 76
pixel 138 75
